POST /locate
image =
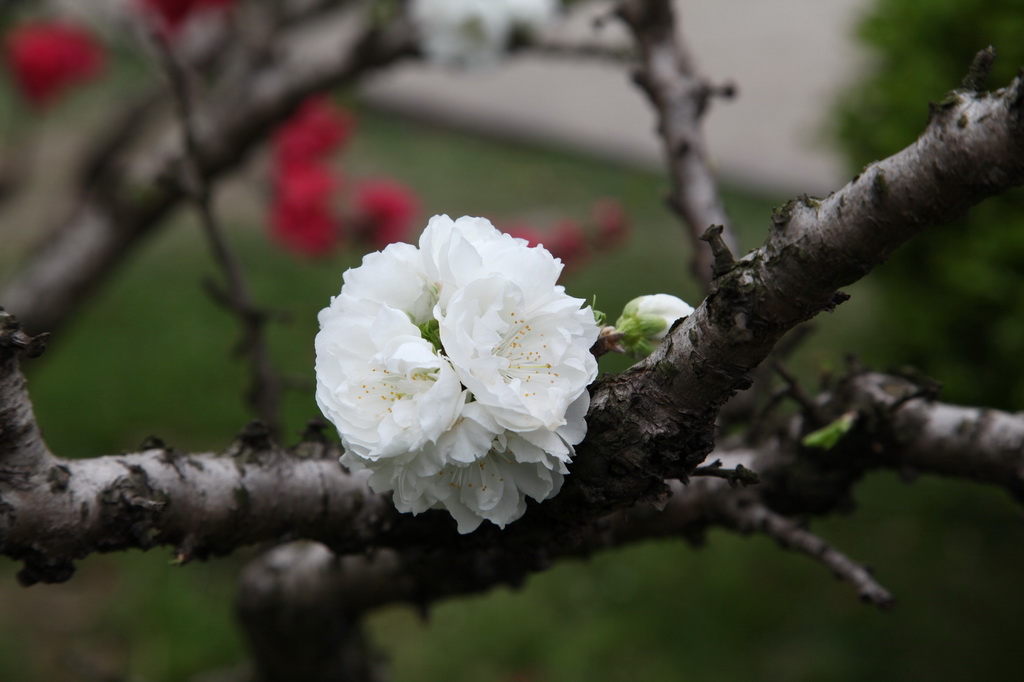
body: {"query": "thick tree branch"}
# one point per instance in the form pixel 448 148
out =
pixel 680 97
pixel 200 504
pixel 656 420
pixel 917 432
pixel 304 588
pixel 899 425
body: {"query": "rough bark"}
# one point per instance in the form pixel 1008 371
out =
pixel 656 420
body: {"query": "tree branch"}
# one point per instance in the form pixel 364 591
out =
pixel 750 516
pixel 656 420
pixel 315 584
pixel 680 97
pixel 22 451
pixel 651 423
pixel 264 395
pixel 915 431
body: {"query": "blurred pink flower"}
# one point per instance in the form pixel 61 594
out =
pixel 47 58
pixel 172 14
pixel 317 129
pixel 568 242
pixel 301 217
pixel 612 225
pixel 387 208
pixel 532 235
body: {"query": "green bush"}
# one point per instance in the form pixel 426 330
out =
pixel 951 303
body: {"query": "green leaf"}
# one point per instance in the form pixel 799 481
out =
pixel 826 437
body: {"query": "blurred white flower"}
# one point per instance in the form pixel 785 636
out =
pixel 647 319
pixel 532 14
pixel 457 372
pixel 475 33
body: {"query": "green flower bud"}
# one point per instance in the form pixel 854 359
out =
pixel 646 320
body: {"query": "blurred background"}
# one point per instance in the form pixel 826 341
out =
pixel 824 88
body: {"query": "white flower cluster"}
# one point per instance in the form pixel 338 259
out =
pixel 456 371
pixel 475 33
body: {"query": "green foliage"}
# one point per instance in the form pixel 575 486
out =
pixel 950 302
pixel 829 435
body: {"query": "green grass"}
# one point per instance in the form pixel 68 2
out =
pixel 152 355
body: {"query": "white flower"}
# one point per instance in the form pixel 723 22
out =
pixel 394 277
pixel 525 359
pixel 382 384
pixel 462 32
pixel 647 319
pixel 456 372
pixel 475 33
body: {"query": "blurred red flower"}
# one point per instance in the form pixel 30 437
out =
pixel 172 14
pixel 566 241
pixel 532 235
pixel 47 58
pixel 304 183
pixel 308 231
pixel 611 221
pixel 315 130
pixel 386 208
pixel 301 217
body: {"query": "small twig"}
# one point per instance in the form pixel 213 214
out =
pixel 724 260
pixel 977 73
pixel 264 393
pixel 608 342
pixel 12 336
pixel 739 475
pixel 797 393
pixel 752 516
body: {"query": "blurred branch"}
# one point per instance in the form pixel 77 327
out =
pixel 749 516
pixel 970 443
pixel 581 51
pixel 142 186
pixel 265 392
pixel 680 97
